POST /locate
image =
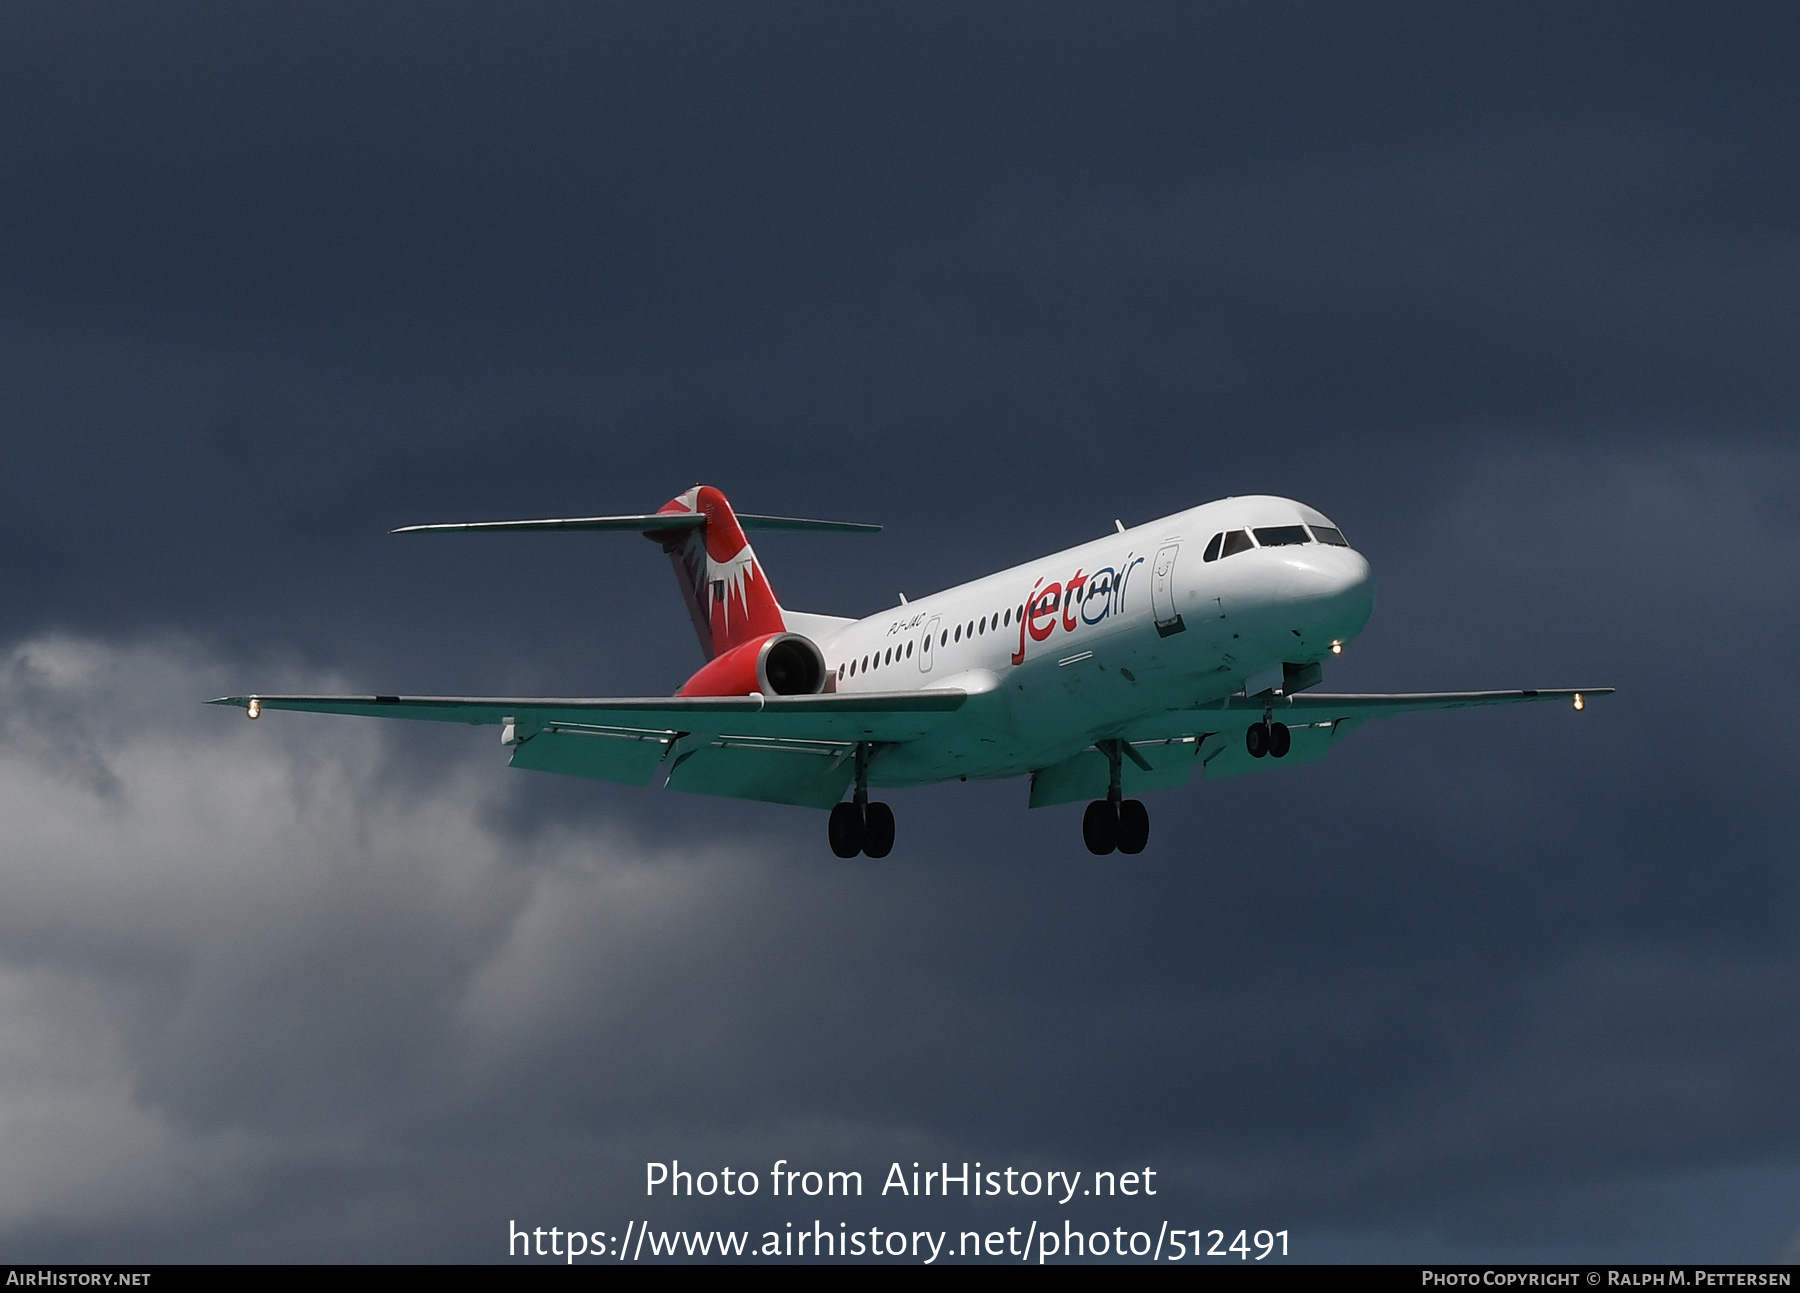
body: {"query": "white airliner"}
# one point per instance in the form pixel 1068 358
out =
pixel 1185 646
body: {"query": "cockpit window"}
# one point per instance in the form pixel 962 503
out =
pixel 1236 541
pixel 1275 536
pixel 1212 549
pixel 1330 534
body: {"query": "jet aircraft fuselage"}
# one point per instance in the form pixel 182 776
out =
pixel 1189 645
pixel 1100 640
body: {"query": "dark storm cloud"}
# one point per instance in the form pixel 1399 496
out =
pixel 1510 295
pixel 295 278
pixel 1449 976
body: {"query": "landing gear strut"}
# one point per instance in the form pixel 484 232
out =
pixel 860 826
pixel 1115 822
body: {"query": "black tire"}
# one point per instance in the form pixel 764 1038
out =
pixel 1134 826
pixel 878 831
pixel 845 830
pixel 1100 828
pixel 1280 740
pixel 1256 740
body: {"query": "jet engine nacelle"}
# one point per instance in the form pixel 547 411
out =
pixel 778 664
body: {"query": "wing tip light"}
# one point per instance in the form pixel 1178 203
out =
pixel 252 705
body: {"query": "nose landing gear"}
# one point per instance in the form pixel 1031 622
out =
pixel 860 826
pixel 1115 822
pixel 1266 738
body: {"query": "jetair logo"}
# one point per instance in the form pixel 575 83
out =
pixel 1080 599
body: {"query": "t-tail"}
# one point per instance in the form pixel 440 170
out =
pixel 727 593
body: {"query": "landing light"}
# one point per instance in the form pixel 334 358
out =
pixel 1579 702
pixel 254 708
pixel 1337 647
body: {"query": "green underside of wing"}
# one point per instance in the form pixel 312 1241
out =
pixel 1086 776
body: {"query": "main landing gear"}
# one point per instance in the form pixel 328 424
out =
pixel 1124 826
pixel 1115 822
pixel 860 826
pixel 1272 739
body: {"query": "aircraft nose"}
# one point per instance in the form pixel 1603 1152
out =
pixel 1356 592
pixel 1339 583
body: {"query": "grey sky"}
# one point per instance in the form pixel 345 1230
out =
pixel 1510 294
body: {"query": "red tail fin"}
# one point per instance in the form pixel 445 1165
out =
pixel 726 591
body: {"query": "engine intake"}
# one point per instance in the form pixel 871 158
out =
pixel 790 665
pixel 780 664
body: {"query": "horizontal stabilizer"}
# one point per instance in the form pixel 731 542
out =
pixel 648 523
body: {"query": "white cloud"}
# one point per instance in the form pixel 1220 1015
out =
pixel 225 946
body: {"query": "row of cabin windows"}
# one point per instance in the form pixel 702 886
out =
pixel 1232 542
pixel 947 636
pixel 1226 544
pixel 880 658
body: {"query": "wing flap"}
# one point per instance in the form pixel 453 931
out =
pixel 627 755
pixel 811 774
pixel 1170 763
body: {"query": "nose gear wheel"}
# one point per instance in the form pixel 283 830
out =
pixel 1270 739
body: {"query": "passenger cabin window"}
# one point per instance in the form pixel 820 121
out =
pixel 1235 542
pixel 1330 534
pixel 1276 536
pixel 1212 549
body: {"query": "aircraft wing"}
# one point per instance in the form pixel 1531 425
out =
pixel 781 749
pixel 1312 707
pixel 867 716
pixel 1167 749
pixel 1316 722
